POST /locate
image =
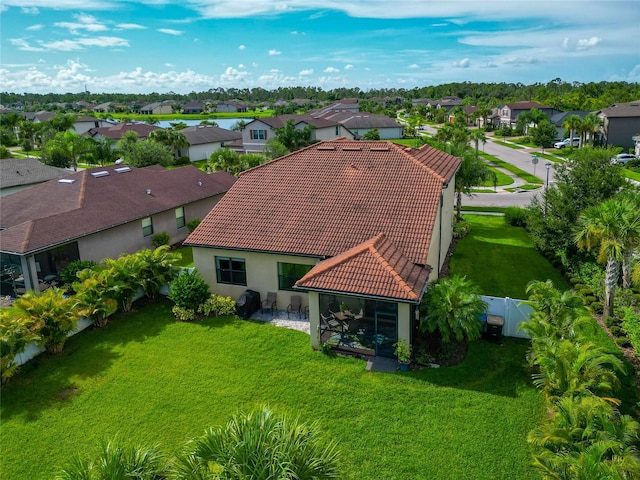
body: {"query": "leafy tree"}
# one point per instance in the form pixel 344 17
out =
pixel 238 126
pixel 478 135
pixel 452 307
pixel 543 134
pixel 146 152
pixel 292 137
pixel 224 159
pixel 372 134
pixel 170 138
pixel 62 122
pixel 4 152
pixel 612 227
pixel 274 149
pixel 103 151
pixel 259 445
pixel 473 171
pixel 573 123
pixel 66 148
pixel 50 315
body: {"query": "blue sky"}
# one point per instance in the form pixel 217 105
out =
pixel 194 45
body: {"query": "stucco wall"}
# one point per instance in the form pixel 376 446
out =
pixel 202 152
pixel 442 231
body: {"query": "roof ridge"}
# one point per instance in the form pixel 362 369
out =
pixel 388 266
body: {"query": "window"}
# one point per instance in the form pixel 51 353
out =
pixel 147 226
pixel 337 130
pixel 258 134
pixel 180 220
pixel 290 273
pixel 231 270
pixel 505 112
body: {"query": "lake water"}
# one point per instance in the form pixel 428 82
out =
pixel 222 122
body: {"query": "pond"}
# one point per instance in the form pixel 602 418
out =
pixel 222 122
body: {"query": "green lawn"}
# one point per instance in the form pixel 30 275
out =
pixel 151 379
pixel 501 259
pixel 508 144
pixel 187 257
pixel 511 168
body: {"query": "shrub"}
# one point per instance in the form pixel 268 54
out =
pixel 189 290
pixel 182 161
pixel 612 322
pixel 70 273
pixel 217 306
pixel 461 229
pixel 14 337
pixel 623 342
pixel 516 216
pixel 183 314
pixel 160 239
pixel 615 330
pixel 191 226
pixel 597 307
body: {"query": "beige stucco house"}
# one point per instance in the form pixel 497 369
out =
pixel 96 214
pixel 356 229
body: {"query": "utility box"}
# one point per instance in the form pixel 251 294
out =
pixel 495 323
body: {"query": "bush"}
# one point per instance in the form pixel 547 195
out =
pixel 182 161
pixel 612 322
pixel 69 274
pixel 461 229
pixel 615 330
pixel 189 290
pixel 624 342
pixel 191 226
pixel 217 306
pixel 183 314
pixel 516 216
pixel 160 239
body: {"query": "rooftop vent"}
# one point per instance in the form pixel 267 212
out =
pixel 67 181
pixel 379 149
pixel 122 169
pixel 326 148
pixel 351 149
pixel 101 173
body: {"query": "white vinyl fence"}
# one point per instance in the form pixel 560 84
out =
pixel 513 311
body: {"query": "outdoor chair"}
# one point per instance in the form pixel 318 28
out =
pixel 359 315
pixel 333 325
pixel 270 303
pixel 295 306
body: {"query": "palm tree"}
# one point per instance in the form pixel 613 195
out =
pixel 478 135
pixel 14 337
pixel 170 138
pixel 573 123
pixel 612 227
pixel 452 307
pixel 156 269
pixel 472 172
pixel 590 124
pixel 259 445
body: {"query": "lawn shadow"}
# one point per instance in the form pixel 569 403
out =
pixel 497 368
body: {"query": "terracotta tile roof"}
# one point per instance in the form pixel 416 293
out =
pixel 330 197
pixel 117 131
pixel 374 268
pixel 52 212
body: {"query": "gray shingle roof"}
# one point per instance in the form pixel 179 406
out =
pixel 15 172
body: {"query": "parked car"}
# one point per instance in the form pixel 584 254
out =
pixel 566 142
pixel 623 158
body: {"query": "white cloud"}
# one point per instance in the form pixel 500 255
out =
pixel 586 43
pixel 170 31
pixel 464 63
pixel 240 65
pixel 274 52
pixel 130 26
pixel 331 70
pixel 520 61
pixel 83 22
pixel 30 10
pixel 23 45
pixel 414 65
pixel 80 43
pixel 35 28
pixel 232 75
pixel 170 65
pixel 308 71
pixel 274 70
pixel 348 66
pixel 242 47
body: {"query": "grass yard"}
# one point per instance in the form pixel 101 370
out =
pixel 187 257
pixel 508 260
pixel 511 168
pixel 151 379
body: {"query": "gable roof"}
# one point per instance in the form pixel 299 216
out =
pixel 330 197
pixel 361 120
pixel 526 105
pixel 117 131
pixel 559 117
pixel 281 120
pixel 630 109
pixel 26 171
pixel 373 268
pixel 203 134
pixel 90 204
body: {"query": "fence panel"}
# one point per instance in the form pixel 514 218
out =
pixel 513 311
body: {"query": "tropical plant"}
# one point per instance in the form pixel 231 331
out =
pixel 452 307
pixel 156 268
pixel 402 350
pixel 274 149
pixel 50 315
pixel 146 152
pixel 69 274
pixel 573 123
pixel 259 445
pixel 612 227
pixel 472 172
pixel 373 134
pixel 293 138
pixel 478 135
pixel 218 306
pixel 159 239
pixel 170 138
pixel 115 462
pixel 14 337
pixel 95 295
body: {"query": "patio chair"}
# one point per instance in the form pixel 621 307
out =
pixel 332 324
pixel 359 315
pixel 295 305
pixel 270 303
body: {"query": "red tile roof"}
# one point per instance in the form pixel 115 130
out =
pixel 373 268
pixel 329 197
pixel 52 212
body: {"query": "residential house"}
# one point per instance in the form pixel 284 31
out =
pixel 621 122
pixel 96 214
pixel 509 112
pixel 19 173
pixel 356 228
pixel 205 139
pixel 232 106
pixel 448 103
pixel 348 104
pixel 256 133
pixel 39 117
pixel 559 118
pixel 104 107
pixel 361 123
pixel 193 107
pixel 158 108
pixel 117 131
pixel 84 123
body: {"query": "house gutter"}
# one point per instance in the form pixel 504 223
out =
pixel 357 295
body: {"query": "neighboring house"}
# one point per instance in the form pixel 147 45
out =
pixel 362 122
pixel 621 122
pixel 348 104
pixel 509 112
pixel 447 103
pixel 39 117
pixel 256 133
pixel 366 224
pixel 231 107
pixel 157 108
pixel 117 131
pixel 84 123
pixel 19 173
pixel 206 139
pixel 104 107
pixel 559 118
pixel 96 214
pixel 193 107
